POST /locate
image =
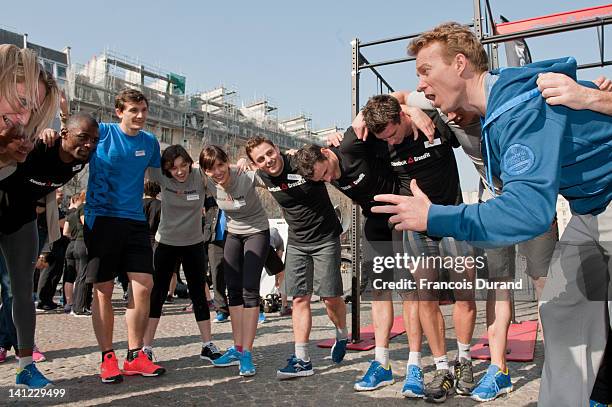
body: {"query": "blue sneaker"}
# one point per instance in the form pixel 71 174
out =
pixel 221 317
pixel 492 384
pixel 413 385
pixel 262 318
pixel 593 403
pixel 295 368
pixel 231 357
pixel 376 376
pixel 247 368
pixel 339 350
pixel 31 378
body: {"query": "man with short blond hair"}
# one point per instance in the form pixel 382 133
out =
pixel 538 151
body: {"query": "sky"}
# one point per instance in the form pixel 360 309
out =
pixel 295 54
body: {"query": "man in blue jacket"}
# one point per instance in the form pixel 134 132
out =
pixel 538 151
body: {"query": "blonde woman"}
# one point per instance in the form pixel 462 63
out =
pixel 29 99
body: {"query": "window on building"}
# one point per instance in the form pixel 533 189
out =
pixel 61 71
pixel 166 135
pixel 49 67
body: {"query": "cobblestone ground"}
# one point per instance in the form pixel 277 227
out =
pixel 70 347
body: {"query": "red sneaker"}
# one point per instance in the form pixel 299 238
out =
pixel 143 366
pixel 109 369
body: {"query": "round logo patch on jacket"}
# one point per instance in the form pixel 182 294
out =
pixel 518 159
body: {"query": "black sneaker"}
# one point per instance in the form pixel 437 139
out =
pixel 81 314
pixel 47 307
pixel 439 388
pixel 210 352
pixel 464 377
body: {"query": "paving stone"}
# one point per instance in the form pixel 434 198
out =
pixel 73 358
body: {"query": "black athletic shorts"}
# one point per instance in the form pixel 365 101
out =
pixel 116 246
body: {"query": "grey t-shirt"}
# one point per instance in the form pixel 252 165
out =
pixel 6 171
pixel 245 214
pixel 181 208
pixel 469 137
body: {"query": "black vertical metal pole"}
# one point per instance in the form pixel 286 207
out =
pixel 355 213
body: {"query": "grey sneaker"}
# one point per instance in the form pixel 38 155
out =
pixel 210 352
pixel 464 377
pixel 439 388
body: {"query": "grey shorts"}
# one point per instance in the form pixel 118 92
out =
pixel 314 269
pixel 537 252
pixel 443 260
pixel 421 244
pixel 377 242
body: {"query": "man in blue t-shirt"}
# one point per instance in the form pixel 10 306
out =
pixel 117 234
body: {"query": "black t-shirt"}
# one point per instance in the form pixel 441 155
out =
pixel 42 172
pixel 73 217
pixel 152 210
pixel 365 170
pixel 306 206
pixel 433 167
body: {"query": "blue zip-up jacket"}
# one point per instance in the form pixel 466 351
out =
pixel 537 151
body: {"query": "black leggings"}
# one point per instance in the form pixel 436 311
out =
pixel 19 250
pixel 243 259
pixel 82 294
pixel 194 267
pixel 70 267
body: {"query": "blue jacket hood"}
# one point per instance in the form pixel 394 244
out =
pixel 518 80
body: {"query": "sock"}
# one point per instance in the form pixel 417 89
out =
pixel 414 358
pixel 382 356
pixel 341 333
pixel 301 351
pixel 24 361
pixel 464 351
pixel 105 353
pixel 441 362
pixel 206 344
pixel 133 354
pixel 146 347
pixel 238 348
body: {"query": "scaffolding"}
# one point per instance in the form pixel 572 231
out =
pixel 175 117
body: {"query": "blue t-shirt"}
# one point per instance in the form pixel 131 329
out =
pixel 221 226
pixel 116 173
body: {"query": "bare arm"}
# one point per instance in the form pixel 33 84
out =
pixel 414 110
pixel 63 109
pixel 559 89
